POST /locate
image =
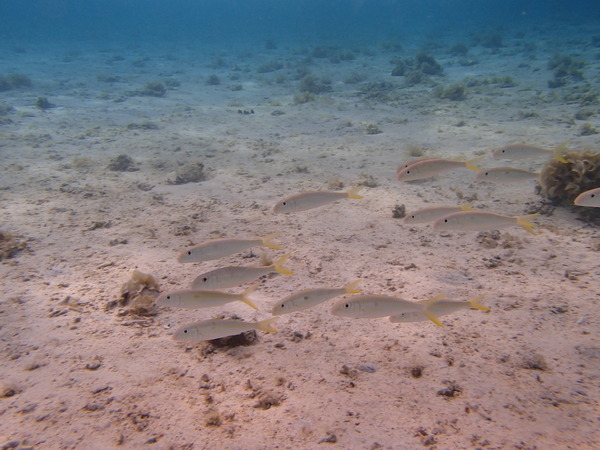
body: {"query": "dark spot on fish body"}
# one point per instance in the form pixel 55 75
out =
pixel 305 297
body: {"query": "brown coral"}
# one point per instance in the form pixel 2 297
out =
pixel 562 181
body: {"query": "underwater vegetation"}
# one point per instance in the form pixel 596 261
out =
pixel 314 85
pixel 14 81
pixel 10 245
pixel 453 92
pixel 416 70
pixel 43 103
pixel 152 89
pixel 270 66
pixel 566 69
pixel 213 80
pixel 561 181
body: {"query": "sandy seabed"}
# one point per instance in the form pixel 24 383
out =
pixel 80 371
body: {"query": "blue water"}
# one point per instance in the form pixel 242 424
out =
pixel 284 20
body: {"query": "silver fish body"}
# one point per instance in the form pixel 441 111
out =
pixel 218 328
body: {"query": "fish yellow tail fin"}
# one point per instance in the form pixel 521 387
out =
pixel 467 206
pixel 267 241
pixel 279 265
pixel 351 288
pixel 352 193
pixel 432 317
pixel 474 302
pixel 559 150
pixel 245 295
pixel 469 163
pixel 265 325
pixel 525 222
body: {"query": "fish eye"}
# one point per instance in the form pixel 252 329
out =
pixel 205 279
pixel 487 173
pixel 592 196
pixel 168 297
pixel 284 203
pixel 283 305
pixel 347 305
pixel 412 217
pixel 446 220
pixel 189 253
pixel 185 331
pixel 408 171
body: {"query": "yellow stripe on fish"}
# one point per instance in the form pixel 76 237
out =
pixel 428 168
pixel 231 276
pixel 199 298
pixel 524 151
pixel 430 214
pixel 589 198
pixel 439 307
pixel 303 201
pixel 482 221
pixel 372 306
pixel 506 175
pixel 218 328
pixel 311 297
pixel 218 248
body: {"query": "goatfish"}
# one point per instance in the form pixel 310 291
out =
pixel 428 168
pixel 199 298
pixel 218 248
pixel 219 328
pixel 231 276
pixel 482 221
pixel 372 306
pixel 506 175
pixel 312 199
pixel 311 297
pixel 426 215
pixel 589 198
pixel 525 151
pixel 439 307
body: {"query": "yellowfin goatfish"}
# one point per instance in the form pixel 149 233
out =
pixel 482 221
pixel 217 328
pixel 197 298
pixel 589 198
pixel 311 297
pixel 312 199
pixel 231 276
pixel 439 307
pixel 426 215
pixel 371 306
pixel 218 248
pixel 506 175
pixel 428 168
pixel 525 151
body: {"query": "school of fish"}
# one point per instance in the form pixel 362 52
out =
pixel 205 293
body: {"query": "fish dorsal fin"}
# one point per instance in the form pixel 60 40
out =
pixel 433 299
